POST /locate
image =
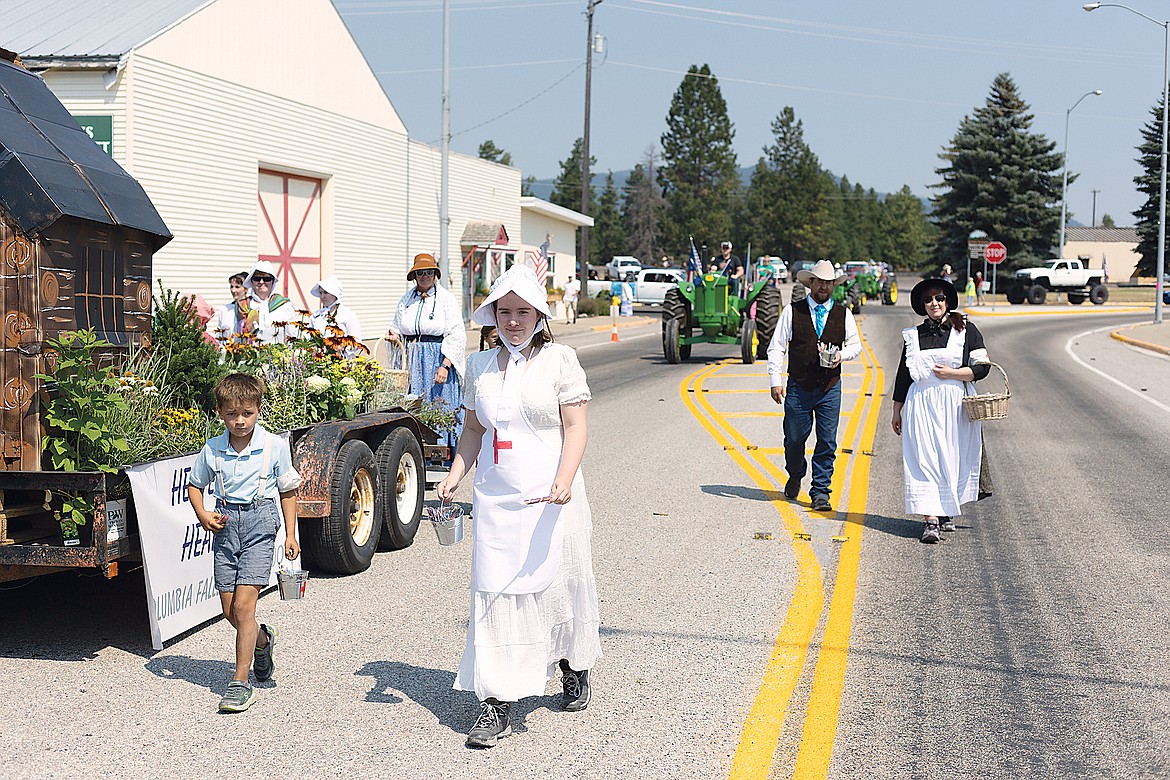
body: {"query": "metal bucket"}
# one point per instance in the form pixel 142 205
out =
pixel 447 520
pixel 292 584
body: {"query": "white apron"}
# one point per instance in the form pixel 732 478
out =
pixel 517 547
pixel 941 448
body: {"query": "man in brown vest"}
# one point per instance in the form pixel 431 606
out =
pixel 814 336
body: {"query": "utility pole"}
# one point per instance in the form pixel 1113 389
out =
pixel 583 260
pixel 1094 222
pixel 444 204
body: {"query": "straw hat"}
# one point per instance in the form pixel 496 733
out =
pixel 521 280
pixel 424 262
pixel 331 285
pixel 916 295
pixel 263 267
pixel 823 270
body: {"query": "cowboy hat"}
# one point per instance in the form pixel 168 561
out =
pixel 519 279
pixel 824 271
pixel 263 267
pixel 424 262
pixel 331 285
pixel 919 292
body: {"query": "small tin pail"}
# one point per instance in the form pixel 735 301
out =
pixel 447 520
pixel 292 584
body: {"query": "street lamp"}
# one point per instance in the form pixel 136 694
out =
pixel 1165 119
pixel 1064 184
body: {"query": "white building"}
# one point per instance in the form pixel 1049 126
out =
pixel 259 131
pixel 1114 249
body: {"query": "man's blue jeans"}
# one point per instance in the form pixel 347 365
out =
pixel 803 407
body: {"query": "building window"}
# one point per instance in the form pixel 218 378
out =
pixel 98 291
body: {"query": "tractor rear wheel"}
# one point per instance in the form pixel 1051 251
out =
pixel 799 291
pixel 676 309
pixel 855 300
pixel 889 293
pixel 747 338
pixel 768 304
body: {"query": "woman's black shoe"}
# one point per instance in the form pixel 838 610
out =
pixel 492 724
pixel 576 688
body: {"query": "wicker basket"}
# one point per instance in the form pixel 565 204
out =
pixel 394 357
pixel 989 406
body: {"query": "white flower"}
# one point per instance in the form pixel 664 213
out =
pixel 348 381
pixel 150 390
pixel 316 385
pixel 352 397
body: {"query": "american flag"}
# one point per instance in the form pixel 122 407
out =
pixel 695 264
pixel 540 262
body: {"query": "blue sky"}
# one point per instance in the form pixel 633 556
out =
pixel 880 87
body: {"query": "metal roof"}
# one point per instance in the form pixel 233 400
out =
pixel 1125 235
pixel 87 28
pixel 50 168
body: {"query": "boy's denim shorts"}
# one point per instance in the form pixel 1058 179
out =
pixel 243 550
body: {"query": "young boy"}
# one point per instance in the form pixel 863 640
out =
pixel 249 467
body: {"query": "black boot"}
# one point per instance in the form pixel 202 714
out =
pixel 492 724
pixel 576 688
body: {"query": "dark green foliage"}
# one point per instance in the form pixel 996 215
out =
pixel 903 233
pixel 567 186
pixel 699 174
pixel 1107 221
pixel 1149 183
pixel 608 237
pixel 642 210
pixel 192 363
pixel 1001 178
pixel 788 200
pixel 489 151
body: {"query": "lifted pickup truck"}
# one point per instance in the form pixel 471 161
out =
pixel 1060 275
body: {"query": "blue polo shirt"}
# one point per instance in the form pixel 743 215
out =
pixel 241 470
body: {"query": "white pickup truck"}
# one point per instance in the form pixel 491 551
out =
pixel 650 285
pixel 1061 275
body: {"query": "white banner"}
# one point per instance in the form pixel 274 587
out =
pixel 176 551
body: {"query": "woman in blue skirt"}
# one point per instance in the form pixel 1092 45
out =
pixel 428 320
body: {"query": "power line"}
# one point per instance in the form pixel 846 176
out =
pixel 489 66
pixel 519 106
pixel 430 6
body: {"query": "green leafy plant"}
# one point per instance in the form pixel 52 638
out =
pixel 192 364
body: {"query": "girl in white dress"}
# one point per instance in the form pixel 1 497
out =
pixel 533 593
pixel 941 448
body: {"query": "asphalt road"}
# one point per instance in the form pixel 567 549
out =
pixel 1032 642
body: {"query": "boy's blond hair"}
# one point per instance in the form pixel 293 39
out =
pixel 239 388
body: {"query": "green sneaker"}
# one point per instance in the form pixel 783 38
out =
pixel 263 663
pixel 238 698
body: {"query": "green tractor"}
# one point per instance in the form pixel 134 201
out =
pixel 702 312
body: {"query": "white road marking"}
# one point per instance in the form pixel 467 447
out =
pixel 1068 348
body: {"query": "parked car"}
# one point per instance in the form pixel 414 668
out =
pixel 620 265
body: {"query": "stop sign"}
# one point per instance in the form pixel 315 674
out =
pixel 995 253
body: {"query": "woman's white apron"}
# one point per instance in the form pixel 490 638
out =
pixel 941 448
pixel 517 547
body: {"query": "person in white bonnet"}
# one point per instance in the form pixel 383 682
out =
pixel 332 311
pixel 269 307
pixel 534 604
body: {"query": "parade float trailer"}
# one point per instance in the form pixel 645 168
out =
pixel 77 238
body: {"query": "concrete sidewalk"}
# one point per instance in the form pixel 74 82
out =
pixel 1146 335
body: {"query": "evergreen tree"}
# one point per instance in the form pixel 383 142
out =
pixel 790 194
pixel 699 174
pixel 903 234
pixel 489 151
pixel 567 185
pixel 1149 183
pixel 526 185
pixel 1107 221
pixel 1001 178
pixel 642 210
pixel 193 365
pixel 608 236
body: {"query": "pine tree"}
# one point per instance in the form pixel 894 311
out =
pixel 489 151
pixel 789 195
pixel 903 233
pixel 193 365
pixel 1107 221
pixel 642 209
pixel 1001 178
pixel 699 175
pixel 1149 183
pixel 567 185
pixel 608 237
pixel 526 185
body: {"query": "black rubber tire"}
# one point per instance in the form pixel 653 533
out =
pixel 1099 294
pixel 768 304
pixel 400 461
pixel 1076 298
pixel 855 299
pixel 670 347
pixel 799 291
pixel 331 543
pixel 889 293
pixel 676 308
pixel 1036 294
pixel 747 334
pixel 1016 294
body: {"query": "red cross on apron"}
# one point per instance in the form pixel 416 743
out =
pixel 498 445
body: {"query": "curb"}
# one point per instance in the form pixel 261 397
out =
pixel 629 323
pixel 1123 308
pixel 1137 342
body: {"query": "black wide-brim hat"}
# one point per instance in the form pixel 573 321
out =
pixel 920 289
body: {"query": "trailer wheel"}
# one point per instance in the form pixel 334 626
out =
pixel 401 478
pixel 767 315
pixel 1099 294
pixel 1037 293
pixel 747 339
pixel 345 541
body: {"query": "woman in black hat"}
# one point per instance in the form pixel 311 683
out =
pixel 941 448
